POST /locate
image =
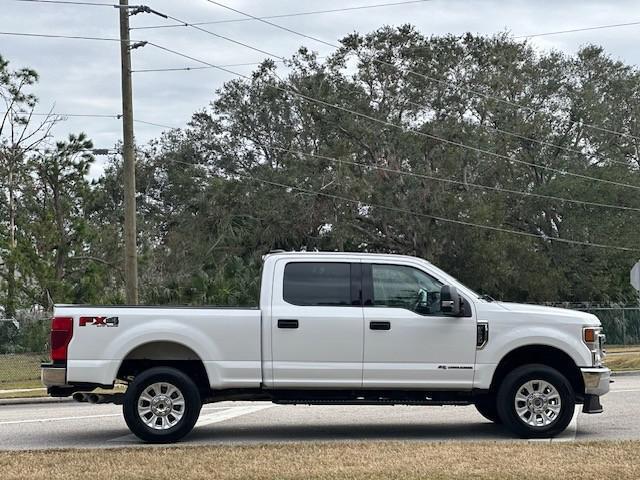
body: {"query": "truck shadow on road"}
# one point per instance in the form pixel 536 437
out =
pixel 333 432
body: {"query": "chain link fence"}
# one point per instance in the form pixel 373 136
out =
pixel 620 324
pixel 24 344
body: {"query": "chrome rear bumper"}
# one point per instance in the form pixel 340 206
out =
pixel 53 376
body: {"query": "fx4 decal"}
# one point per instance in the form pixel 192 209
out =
pixel 99 321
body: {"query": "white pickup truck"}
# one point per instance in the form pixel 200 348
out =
pixel 335 328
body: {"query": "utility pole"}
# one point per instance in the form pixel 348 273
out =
pixel 129 165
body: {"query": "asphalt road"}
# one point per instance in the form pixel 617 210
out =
pixel 64 425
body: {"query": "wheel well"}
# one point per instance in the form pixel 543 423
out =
pixel 542 354
pixel 164 354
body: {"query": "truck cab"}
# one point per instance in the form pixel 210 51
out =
pixel 339 328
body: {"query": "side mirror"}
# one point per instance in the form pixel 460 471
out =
pixel 449 300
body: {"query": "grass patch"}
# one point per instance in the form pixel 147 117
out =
pixel 41 392
pixel 624 362
pixel 623 357
pixel 20 370
pixel 352 461
pixel 623 348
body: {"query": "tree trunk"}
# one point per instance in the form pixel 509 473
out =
pixel 10 301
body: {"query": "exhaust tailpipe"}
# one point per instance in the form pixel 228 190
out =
pixel 79 397
pixel 93 398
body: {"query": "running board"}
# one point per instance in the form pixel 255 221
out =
pixel 365 401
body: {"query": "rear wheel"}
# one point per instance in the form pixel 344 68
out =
pixel 536 401
pixel 161 405
pixel 487 407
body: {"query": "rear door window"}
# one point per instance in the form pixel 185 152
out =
pixel 317 284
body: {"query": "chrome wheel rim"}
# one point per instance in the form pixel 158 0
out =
pixel 161 406
pixel 538 403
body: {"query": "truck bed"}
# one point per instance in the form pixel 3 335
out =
pixel 226 340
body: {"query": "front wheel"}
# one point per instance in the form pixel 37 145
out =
pixel 161 405
pixel 536 401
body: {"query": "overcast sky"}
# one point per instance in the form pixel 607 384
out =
pixel 83 77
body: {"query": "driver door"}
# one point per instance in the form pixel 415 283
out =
pixel 408 341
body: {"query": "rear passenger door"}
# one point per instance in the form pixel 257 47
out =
pixel 317 324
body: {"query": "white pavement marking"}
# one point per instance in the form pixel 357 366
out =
pixel 625 390
pixel 569 435
pixel 226 413
pixel 52 419
pixel 229 413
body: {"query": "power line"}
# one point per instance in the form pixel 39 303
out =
pixel 280 58
pixel 264 20
pixel 154 124
pixel 528 138
pixel 186 69
pixel 518 135
pixel 421 214
pixel 68 2
pixel 372 118
pixel 116 116
pixel 282 16
pixel 288 15
pixel 369 117
pixel 228 39
pixel 52 114
pixel 71 37
pixel 457 182
pixel 584 29
pixel 421 75
pixel 441 219
pixel 484 126
pixel 402 128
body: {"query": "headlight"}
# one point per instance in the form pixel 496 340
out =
pixel 594 339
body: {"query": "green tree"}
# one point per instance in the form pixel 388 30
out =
pixel 20 135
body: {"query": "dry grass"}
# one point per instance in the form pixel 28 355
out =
pixel 623 348
pixel 41 392
pixel 370 461
pixel 622 358
pixel 621 363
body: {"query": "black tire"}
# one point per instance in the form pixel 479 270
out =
pixel 188 407
pixel 507 397
pixel 487 407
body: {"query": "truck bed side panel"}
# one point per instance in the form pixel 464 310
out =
pixel 226 340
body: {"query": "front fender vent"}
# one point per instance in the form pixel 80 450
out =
pixel 482 336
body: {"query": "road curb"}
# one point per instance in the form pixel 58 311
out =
pixel 627 373
pixel 35 400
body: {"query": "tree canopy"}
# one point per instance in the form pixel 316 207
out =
pixel 480 154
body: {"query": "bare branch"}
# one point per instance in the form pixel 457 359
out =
pixel 99 260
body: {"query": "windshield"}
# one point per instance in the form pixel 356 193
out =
pixel 451 279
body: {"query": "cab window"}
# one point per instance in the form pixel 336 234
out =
pixel 317 284
pixel 401 286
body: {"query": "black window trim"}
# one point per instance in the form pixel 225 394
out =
pixel 355 283
pixel 367 288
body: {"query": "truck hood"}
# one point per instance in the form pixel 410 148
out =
pixel 522 312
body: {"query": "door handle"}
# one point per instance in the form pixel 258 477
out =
pixel 380 325
pixel 287 323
